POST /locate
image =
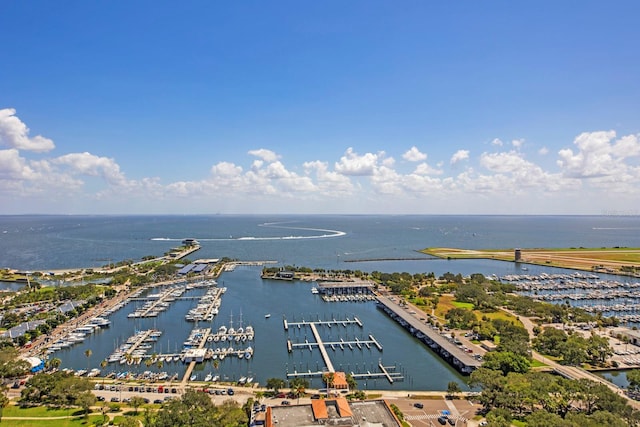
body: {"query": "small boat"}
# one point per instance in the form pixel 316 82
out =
pixel 193 377
pixel 266 316
pixel 208 377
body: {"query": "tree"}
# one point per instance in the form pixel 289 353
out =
pixel 574 350
pixel 633 376
pixel 545 419
pixel 11 365
pixel 460 318
pixel 351 382
pixel 88 354
pixel 4 400
pixel 275 384
pixel 499 418
pixel 491 384
pixel 598 348
pixel 506 362
pixel 55 363
pixel 103 364
pixel 196 410
pixel 85 400
pixel 550 341
pixel 136 402
pixel 329 378
pixel 299 386
pixel 453 388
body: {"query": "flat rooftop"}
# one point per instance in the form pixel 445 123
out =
pixel 370 413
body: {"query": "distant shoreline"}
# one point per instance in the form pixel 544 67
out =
pixel 617 260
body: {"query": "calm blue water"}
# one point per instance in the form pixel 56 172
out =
pixel 51 242
pixel 331 242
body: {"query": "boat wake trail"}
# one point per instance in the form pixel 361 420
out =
pixel 326 234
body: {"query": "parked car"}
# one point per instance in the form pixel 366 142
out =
pixel 442 420
pixel 418 405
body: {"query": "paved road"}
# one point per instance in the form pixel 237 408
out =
pixel 572 372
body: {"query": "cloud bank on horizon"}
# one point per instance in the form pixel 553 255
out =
pixel 594 166
pixel 359 107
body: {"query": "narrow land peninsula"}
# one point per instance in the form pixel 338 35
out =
pixel 616 260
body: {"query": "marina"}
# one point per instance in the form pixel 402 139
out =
pixel 145 353
pixel 158 302
pixel 208 307
pixel 342 344
pixel 591 292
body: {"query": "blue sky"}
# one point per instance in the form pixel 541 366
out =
pixel 463 107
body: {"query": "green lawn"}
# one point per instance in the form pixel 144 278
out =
pixel 459 304
pixel 93 420
pixel 537 364
pixel 39 411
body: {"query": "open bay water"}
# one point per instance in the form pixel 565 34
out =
pixel 367 243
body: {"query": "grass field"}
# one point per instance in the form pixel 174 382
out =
pixel 93 420
pixel 447 302
pixel 613 259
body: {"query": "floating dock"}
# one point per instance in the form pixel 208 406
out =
pixel 357 343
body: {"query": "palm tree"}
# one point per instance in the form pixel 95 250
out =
pixel 299 386
pixel 55 363
pixel 88 353
pixel 329 379
pixel 103 364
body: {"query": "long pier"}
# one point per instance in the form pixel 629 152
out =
pixel 386 372
pixel 455 355
pixel 328 323
pixel 323 350
pixel 357 343
pixel 192 364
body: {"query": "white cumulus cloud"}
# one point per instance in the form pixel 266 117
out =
pixel 15 134
pixel 264 154
pixel 517 143
pixel 92 165
pixel 459 156
pixel 414 155
pixel 354 164
pixel 593 157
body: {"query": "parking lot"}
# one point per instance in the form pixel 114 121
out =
pixel 425 412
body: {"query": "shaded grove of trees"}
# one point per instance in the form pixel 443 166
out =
pixel 11 365
pixel 195 409
pixel 542 399
pixel 58 389
pixel 61 293
pixel 572 347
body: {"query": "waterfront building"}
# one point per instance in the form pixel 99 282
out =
pixel 336 411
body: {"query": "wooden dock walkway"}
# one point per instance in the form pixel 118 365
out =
pixel 192 364
pixel 323 350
